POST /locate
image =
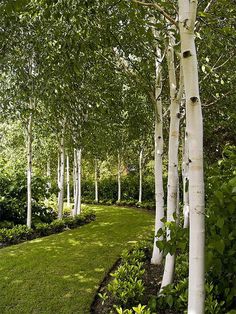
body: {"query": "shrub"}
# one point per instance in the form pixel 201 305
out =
pixel 127 287
pixel 6 224
pixel 57 225
pixel 22 233
pixel 13 199
pixel 16 234
pixel 42 229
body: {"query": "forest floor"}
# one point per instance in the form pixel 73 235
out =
pixel 62 272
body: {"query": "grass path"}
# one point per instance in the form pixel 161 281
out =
pixel 61 273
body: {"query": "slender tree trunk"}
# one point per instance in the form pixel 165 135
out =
pixel 62 175
pixel 119 178
pixel 77 205
pixel 96 179
pixel 68 180
pixel 185 162
pixel 196 292
pixel 75 175
pixel 158 138
pixel 49 174
pixel 140 175
pixel 173 179
pixel 29 171
pixel 58 171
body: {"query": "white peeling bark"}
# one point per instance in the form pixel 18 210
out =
pixel 68 179
pixel 158 138
pixel 62 175
pixel 49 174
pixel 119 178
pixel 77 203
pixel 29 171
pixel 196 292
pixel 173 179
pixel 74 175
pixel 140 175
pixel 96 179
pixel 185 178
pixel 58 171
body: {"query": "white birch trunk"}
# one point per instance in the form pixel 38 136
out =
pixel 140 176
pixel 74 175
pixel 77 203
pixel 119 179
pixel 96 179
pixel 49 174
pixel 29 172
pixel 196 292
pixel 173 179
pixel 58 171
pixel 62 175
pixel 68 180
pixel 158 137
pixel 185 179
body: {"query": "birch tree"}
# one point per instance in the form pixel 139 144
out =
pixel 173 179
pixel 29 171
pixel 62 173
pixel 77 201
pixel 158 171
pixel 187 19
pixel 96 179
pixel 68 179
pixel 140 175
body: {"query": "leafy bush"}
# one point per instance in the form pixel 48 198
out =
pixel 6 224
pixel 42 229
pixel 16 234
pixel 221 242
pixel 140 309
pixel 13 202
pixel 127 287
pixel 22 233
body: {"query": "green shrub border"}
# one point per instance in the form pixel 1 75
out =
pixel 22 233
pixel 149 205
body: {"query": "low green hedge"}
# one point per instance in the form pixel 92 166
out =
pixel 21 233
pixel 150 205
pixel 127 288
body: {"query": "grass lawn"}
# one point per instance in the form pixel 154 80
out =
pixel 61 273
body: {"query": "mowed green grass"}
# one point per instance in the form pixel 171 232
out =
pixel 61 273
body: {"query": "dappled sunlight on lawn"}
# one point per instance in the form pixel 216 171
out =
pixel 70 264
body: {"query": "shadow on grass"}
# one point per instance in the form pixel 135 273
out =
pixel 61 272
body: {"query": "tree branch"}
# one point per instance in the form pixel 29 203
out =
pixel 229 93
pixel 160 9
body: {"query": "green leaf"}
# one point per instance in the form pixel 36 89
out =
pixel 170 300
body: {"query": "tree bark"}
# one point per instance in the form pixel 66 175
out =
pixel 158 138
pixel 68 179
pixel 29 171
pixel 58 170
pixel 49 174
pixel 119 179
pixel 173 178
pixel 196 292
pixel 96 179
pixel 185 178
pixel 74 176
pixel 77 203
pixel 140 176
pixel 62 175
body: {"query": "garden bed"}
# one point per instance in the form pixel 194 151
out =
pixel 22 233
pixel 151 279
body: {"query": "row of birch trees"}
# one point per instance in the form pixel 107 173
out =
pixel 89 70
